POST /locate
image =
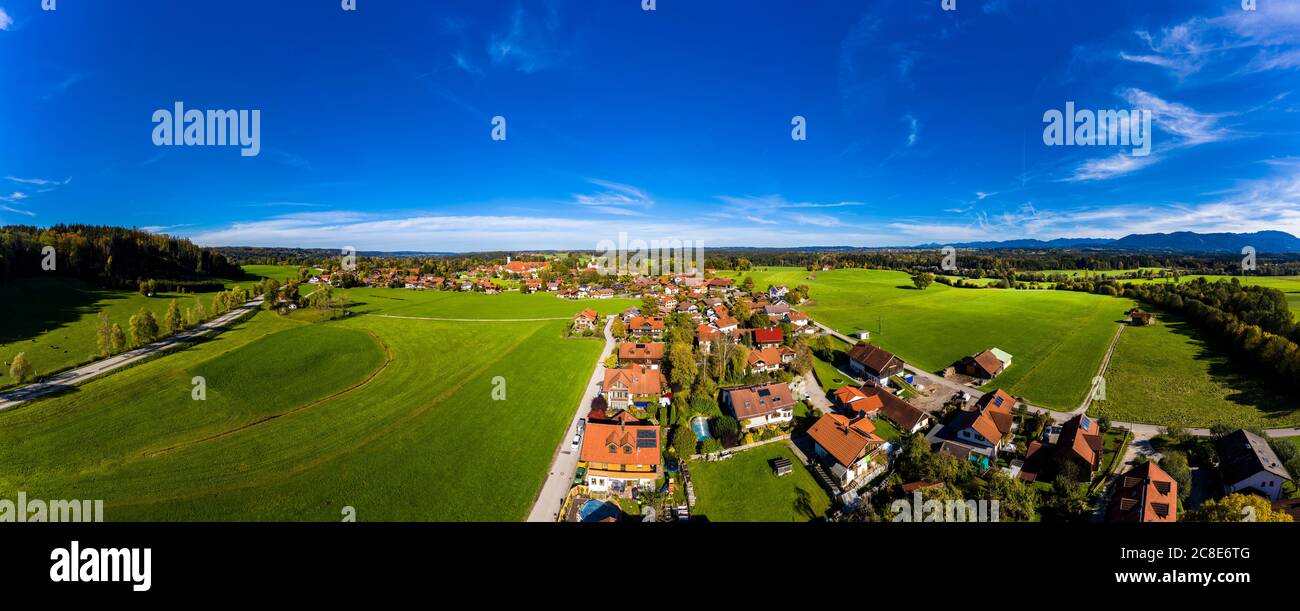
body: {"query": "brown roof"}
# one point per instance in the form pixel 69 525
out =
pixel 1081 436
pixel 639 380
pixel 845 440
pixel 900 412
pixel 988 362
pixel 1145 494
pixel 652 351
pixel 587 314
pixel 754 401
pixel 998 401
pixel 621 443
pixel 873 358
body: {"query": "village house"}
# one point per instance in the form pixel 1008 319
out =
pixel 905 417
pixel 1144 494
pixel 1248 464
pixel 632 385
pixel 875 364
pixel 798 319
pixel 585 320
pixel 756 406
pixel 649 354
pixel 705 335
pixel 986 365
pixel 770 359
pixel 646 326
pixel 726 324
pixel 847 448
pixel 778 292
pixel 768 338
pixel 621 455
pixel 1079 442
pixel 990 425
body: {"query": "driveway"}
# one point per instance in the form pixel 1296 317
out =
pixel 89 372
pixel 565 462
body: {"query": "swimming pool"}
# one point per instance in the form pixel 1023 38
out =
pixel 700 425
pixel 595 511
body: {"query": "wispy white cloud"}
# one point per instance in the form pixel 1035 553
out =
pixel 913 129
pixel 40 182
pixel 1188 48
pixel 1182 127
pixel 16 196
pixel 16 210
pixel 614 198
pixel 5 20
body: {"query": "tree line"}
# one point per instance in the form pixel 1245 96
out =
pixel 112 256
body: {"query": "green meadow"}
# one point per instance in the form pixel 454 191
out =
pixel 392 417
pixel 452 304
pixel 1056 338
pixel 744 488
pixel 1164 374
pixel 53 319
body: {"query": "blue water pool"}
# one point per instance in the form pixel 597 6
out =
pixel 700 425
pixel 595 511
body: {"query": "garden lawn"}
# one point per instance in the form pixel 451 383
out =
pixel 1163 374
pixel 394 418
pixel 1057 338
pixel 744 488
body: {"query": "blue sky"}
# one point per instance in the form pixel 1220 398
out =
pixel 923 125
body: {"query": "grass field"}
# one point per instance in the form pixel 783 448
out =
pixel 743 488
pixel 1163 374
pixel 53 319
pixel 1057 338
pixel 392 417
pixel 450 304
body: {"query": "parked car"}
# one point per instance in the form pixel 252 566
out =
pixel 577 442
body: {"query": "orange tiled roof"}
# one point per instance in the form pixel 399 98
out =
pixel 630 350
pixel 621 444
pixel 639 380
pixel 845 440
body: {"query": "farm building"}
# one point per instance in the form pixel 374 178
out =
pixel 873 363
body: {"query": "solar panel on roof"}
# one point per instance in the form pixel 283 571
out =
pixel 997 401
pixel 642 444
pixel 645 434
pixel 1086 422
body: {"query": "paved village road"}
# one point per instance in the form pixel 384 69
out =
pixel 89 372
pixel 565 461
pixel 1138 429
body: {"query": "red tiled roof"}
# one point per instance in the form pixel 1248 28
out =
pixel 616 443
pixel 845 440
pixel 768 336
pixel 629 350
pixel 639 380
pixel 1145 494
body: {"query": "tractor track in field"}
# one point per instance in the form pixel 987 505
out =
pixel 388 359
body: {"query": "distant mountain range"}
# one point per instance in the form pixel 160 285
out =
pixel 1277 242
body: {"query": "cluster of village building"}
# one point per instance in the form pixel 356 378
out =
pixel 621 452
